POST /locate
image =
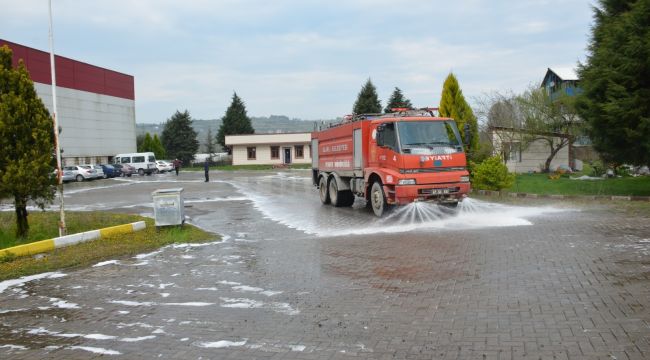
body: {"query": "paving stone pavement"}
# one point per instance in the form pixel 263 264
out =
pixel 297 280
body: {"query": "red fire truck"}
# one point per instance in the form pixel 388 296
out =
pixel 390 159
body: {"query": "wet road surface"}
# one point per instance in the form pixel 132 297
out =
pixel 297 280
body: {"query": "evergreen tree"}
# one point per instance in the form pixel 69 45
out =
pixel 397 100
pixel 147 145
pixel 26 142
pixel 157 147
pixel 453 105
pixel 616 82
pixel 234 122
pixel 139 142
pixel 367 100
pixel 179 138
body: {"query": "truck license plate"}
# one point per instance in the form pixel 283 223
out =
pixel 439 191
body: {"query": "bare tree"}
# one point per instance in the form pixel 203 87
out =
pixel 501 120
pixel 553 121
pixel 210 145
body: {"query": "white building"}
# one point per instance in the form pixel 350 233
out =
pixel 270 149
pixel 96 106
pixel 521 157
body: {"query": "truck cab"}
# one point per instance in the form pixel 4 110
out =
pixel 391 159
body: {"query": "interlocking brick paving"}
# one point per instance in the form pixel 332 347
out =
pixel 569 284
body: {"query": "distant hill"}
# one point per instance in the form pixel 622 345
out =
pixel 262 125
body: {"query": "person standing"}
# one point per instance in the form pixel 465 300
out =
pixel 177 165
pixel 206 167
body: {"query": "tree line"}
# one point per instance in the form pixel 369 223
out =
pixel 613 110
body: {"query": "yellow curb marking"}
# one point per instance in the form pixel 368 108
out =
pixel 29 249
pixel 119 229
pixel 49 245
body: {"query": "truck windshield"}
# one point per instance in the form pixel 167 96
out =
pixel 429 137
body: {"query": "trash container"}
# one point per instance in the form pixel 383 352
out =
pixel 168 207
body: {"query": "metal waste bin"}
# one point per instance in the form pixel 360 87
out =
pixel 168 207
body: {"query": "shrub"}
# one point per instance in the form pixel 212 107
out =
pixel 492 174
pixel 623 170
pixel 597 168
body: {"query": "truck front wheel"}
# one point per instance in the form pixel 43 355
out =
pixel 378 199
pixel 322 190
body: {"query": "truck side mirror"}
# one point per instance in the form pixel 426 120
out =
pixel 468 134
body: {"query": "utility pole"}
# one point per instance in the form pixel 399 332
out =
pixel 59 172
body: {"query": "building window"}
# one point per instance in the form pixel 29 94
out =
pixel 275 152
pixel 512 151
pixel 300 152
pixel 251 153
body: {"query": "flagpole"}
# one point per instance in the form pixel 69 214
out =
pixel 62 228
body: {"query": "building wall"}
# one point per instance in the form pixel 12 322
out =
pixel 263 154
pixel 96 106
pixel 529 159
pixel 287 138
pixel 93 125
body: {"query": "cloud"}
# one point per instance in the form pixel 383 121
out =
pixel 530 27
pixel 305 59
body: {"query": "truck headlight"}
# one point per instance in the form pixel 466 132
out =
pixel 406 182
pixel 464 179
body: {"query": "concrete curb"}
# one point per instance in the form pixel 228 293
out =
pixel 62 241
pixel 563 197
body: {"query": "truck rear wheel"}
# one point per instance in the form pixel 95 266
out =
pixel 378 199
pixel 338 198
pixel 322 190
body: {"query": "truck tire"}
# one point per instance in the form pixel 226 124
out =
pixel 322 190
pixel 141 172
pixel 338 198
pixel 378 199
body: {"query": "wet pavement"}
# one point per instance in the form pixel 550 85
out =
pixel 297 280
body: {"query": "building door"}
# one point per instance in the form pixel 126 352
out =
pixel 287 155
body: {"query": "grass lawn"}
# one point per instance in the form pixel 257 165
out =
pixel 43 226
pixel 541 184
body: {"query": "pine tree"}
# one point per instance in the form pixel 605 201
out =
pixel 397 100
pixel 367 101
pixel 234 122
pixel 157 147
pixel 616 82
pixel 26 142
pixel 453 105
pixel 179 138
pixel 139 142
pixel 147 145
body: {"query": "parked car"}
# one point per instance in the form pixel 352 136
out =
pixel 164 165
pixel 84 172
pixel 100 172
pixel 124 169
pixel 110 171
pixel 69 174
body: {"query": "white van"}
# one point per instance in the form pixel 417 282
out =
pixel 144 163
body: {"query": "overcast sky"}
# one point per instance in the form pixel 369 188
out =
pixel 304 58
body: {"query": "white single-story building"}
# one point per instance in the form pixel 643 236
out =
pixel 270 149
pixel 522 157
